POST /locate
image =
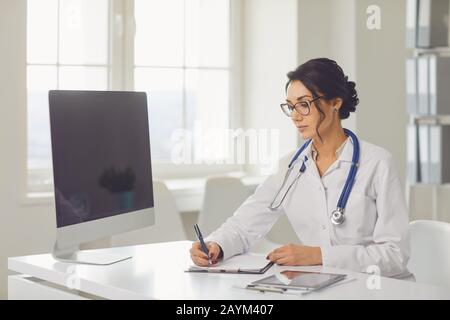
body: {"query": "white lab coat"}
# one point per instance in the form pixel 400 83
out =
pixel 375 231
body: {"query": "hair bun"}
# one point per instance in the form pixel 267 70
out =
pixel 323 76
pixel 349 104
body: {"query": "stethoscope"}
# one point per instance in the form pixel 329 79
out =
pixel 337 216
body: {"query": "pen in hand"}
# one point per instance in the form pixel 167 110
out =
pixel 202 242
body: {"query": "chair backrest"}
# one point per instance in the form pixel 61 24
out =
pixel 222 196
pixel 168 223
pixel 430 252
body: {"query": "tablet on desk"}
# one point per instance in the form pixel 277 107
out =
pixel 299 280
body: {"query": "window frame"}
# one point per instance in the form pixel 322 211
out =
pixel 121 31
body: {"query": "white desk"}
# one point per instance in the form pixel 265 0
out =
pixel 156 271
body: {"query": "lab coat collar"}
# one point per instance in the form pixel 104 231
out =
pixel 345 156
pixel 347 152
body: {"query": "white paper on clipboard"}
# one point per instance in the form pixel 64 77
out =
pixel 244 263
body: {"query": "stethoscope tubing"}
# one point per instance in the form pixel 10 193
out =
pixel 345 194
pixel 352 174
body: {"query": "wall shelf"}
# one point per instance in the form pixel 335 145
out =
pixel 439 120
pixel 428 105
pixel 444 51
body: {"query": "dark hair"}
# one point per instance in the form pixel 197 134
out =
pixel 325 76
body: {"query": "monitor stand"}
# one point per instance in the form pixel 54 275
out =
pixel 74 255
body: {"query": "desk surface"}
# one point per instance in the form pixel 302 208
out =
pixel 156 271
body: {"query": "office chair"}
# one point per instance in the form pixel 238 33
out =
pixel 217 208
pixel 168 224
pixel 430 252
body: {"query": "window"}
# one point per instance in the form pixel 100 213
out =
pixel 185 68
pixel 178 52
pixel 67 48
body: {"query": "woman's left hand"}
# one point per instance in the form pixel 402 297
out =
pixel 296 255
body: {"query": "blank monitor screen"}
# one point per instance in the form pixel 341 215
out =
pixel 101 154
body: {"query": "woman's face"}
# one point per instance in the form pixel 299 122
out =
pixel 306 125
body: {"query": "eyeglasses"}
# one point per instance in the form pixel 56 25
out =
pixel 302 107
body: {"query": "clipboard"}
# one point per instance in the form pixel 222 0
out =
pixel 244 264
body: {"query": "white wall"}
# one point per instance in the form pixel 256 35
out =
pixel 269 45
pixel 380 66
pixel 373 59
pixel 382 117
pixel 280 35
pixel 326 29
pixel 23 229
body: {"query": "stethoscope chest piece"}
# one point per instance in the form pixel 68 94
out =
pixel 337 217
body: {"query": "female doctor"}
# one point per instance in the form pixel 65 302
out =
pixel 342 195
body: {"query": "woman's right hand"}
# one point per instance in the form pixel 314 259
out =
pixel 200 258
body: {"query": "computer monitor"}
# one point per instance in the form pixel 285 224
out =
pixel 101 169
